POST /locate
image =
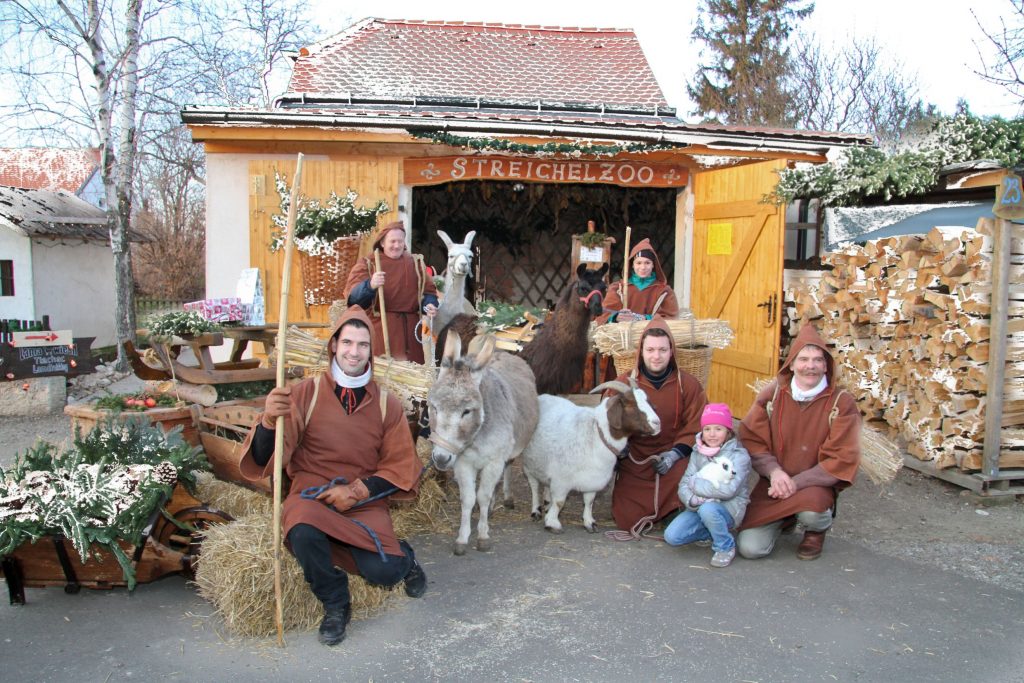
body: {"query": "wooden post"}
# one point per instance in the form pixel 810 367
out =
pixel 282 334
pixel 383 310
pixel 997 347
pixel 625 271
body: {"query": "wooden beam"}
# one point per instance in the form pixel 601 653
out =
pixel 997 348
pixel 745 361
pixel 727 210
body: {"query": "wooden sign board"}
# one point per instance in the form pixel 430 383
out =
pixel 40 338
pixel 629 173
pixel 44 361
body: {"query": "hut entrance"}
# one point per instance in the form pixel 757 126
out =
pixel 524 230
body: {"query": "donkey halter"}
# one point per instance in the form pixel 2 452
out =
pixel 586 299
pixel 445 444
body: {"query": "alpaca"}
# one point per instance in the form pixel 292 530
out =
pixel 557 354
pixel 460 264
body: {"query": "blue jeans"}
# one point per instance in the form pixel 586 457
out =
pixel 710 520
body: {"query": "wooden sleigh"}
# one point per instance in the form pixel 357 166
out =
pixel 164 548
pixel 164 363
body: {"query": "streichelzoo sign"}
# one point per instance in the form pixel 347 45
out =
pixel 436 170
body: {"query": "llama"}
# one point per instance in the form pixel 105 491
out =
pixel 460 263
pixel 575 448
pixel 556 355
pixel 483 411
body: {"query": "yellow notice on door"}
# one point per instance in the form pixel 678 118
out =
pixel 720 239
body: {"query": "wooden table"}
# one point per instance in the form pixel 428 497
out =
pixel 264 334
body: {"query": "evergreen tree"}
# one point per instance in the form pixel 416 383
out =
pixel 742 75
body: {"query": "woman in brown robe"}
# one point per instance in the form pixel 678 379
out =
pixel 647 478
pixel 351 446
pixel 409 293
pixel 649 293
pixel 803 436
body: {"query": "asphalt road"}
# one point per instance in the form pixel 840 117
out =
pixel 562 608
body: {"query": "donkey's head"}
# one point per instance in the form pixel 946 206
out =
pixel 590 288
pixel 460 256
pixel 629 411
pixel 455 403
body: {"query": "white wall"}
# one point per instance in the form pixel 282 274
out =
pixel 74 284
pixel 16 247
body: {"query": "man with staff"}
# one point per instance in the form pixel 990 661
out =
pixel 347 449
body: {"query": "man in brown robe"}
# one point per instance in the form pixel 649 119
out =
pixel 648 291
pixel 803 435
pixel 346 450
pixel 648 474
pixel 408 292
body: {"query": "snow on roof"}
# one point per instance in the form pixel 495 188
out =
pixel 46 168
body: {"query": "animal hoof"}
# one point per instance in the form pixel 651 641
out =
pixel 460 548
pixel 484 545
pixel 591 529
pixel 510 505
pixel 536 515
pixel 554 529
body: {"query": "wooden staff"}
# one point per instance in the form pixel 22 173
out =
pixel 282 337
pixel 383 311
pixel 625 272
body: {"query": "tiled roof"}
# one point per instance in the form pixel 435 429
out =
pixel 43 168
pixel 508 62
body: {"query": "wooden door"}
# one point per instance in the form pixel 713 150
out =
pixel 737 274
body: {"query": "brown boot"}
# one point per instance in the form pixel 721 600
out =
pixel 810 547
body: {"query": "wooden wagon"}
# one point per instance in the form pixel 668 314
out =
pixel 165 547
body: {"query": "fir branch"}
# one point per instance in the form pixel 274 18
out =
pixel 569 148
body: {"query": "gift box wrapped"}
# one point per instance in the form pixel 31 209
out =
pixel 223 310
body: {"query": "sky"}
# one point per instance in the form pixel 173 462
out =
pixel 936 39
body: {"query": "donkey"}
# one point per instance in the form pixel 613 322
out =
pixel 483 412
pixel 556 355
pixel 460 263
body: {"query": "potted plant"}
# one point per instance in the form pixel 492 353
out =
pixel 327 237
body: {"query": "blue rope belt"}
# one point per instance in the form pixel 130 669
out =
pixel 312 492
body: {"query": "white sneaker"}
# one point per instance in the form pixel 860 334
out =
pixel 723 558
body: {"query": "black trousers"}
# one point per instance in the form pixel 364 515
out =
pixel 312 548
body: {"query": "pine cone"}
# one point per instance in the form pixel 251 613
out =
pixel 166 473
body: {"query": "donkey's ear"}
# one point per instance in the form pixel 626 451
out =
pixel 468 242
pixel 452 347
pixel 580 270
pixel 602 270
pixel 445 238
pixel 485 351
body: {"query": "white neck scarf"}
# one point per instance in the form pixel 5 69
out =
pixel 802 395
pixel 349 381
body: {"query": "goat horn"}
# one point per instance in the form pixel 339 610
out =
pixel 614 384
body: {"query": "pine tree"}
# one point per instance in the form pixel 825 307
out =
pixel 741 77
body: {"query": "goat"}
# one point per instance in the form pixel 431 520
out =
pixel 556 355
pixel 483 411
pixel 575 448
pixel 460 262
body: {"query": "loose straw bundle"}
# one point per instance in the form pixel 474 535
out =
pixel 880 458
pixel 615 338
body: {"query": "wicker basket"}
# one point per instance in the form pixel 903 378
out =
pixel 695 361
pixel 324 275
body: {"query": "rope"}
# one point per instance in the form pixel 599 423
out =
pixel 643 525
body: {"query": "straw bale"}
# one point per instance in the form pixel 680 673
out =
pixel 235 572
pixel 237 501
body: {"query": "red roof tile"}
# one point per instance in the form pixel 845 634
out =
pixel 44 168
pixel 399 58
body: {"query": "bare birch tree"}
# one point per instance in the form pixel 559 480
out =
pixel 1002 54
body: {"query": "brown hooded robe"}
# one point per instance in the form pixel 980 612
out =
pixel 642 301
pixel 799 437
pixel 335 444
pixel 404 287
pixel 679 404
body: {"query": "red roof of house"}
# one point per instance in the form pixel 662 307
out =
pixel 504 62
pixel 44 168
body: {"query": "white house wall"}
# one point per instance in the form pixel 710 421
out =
pixel 74 285
pixel 17 248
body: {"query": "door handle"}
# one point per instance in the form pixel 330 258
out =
pixel 770 304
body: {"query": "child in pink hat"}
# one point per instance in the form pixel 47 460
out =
pixel 714 489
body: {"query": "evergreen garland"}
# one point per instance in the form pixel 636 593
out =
pixel 869 172
pixel 180 323
pixel 102 490
pixel 497 315
pixel 569 148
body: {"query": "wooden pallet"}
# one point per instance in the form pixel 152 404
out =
pixel 1009 482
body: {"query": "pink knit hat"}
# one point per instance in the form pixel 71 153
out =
pixel 716 414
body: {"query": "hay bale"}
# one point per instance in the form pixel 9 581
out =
pixel 231 498
pixel 235 572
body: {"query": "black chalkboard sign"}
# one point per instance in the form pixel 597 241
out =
pixel 47 361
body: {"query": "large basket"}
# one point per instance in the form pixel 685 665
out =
pixel 695 361
pixel 324 275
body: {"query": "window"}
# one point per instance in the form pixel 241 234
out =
pixel 6 278
pixel 803 234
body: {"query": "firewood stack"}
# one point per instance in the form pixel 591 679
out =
pixel 909 317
